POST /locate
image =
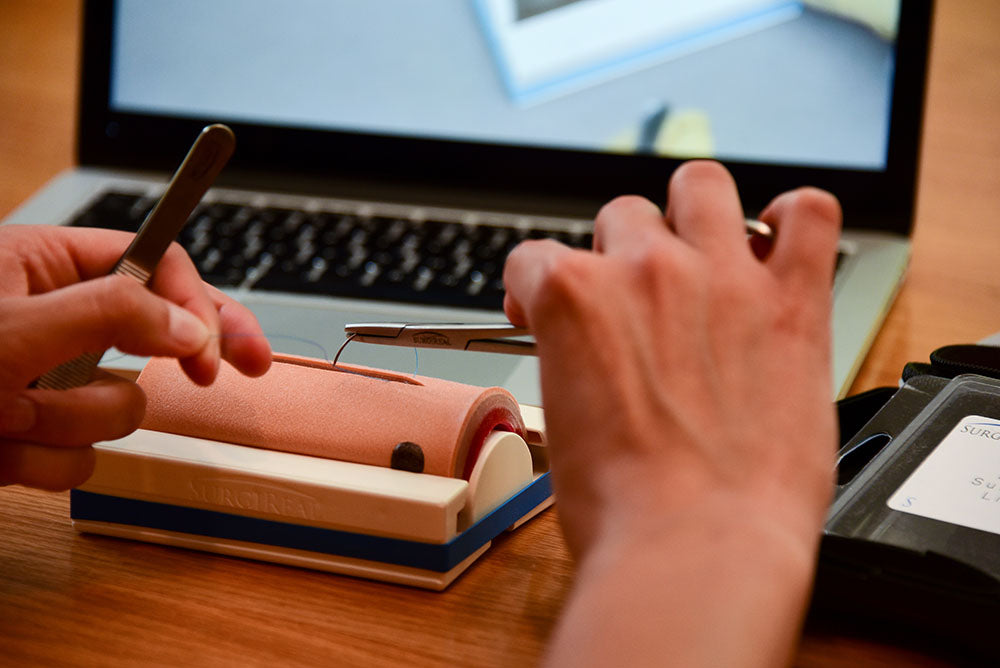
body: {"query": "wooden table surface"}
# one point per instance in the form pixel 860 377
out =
pixel 86 600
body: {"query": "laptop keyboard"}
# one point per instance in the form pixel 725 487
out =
pixel 343 253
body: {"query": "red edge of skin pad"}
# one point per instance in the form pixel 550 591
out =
pixel 350 413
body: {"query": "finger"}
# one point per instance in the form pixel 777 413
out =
pixel 94 252
pixel 627 222
pixel 243 342
pixel 704 209
pixel 523 275
pixel 177 279
pixel 62 256
pixel 105 409
pixel 48 257
pixel 42 331
pixel 807 226
pixel 45 467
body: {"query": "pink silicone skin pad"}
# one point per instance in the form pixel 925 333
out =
pixel 350 413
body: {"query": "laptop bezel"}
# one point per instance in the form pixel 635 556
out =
pixel 549 181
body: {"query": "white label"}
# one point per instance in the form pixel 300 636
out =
pixel 959 482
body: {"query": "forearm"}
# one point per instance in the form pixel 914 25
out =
pixel 702 592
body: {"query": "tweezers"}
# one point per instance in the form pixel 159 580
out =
pixel 478 337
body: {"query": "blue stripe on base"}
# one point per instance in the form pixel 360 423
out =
pixel 433 557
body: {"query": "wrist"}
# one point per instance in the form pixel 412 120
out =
pixel 722 527
pixel 703 588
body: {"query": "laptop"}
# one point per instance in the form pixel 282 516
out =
pixel 389 154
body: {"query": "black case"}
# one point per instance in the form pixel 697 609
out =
pixel 894 571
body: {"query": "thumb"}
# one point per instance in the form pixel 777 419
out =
pixel 43 331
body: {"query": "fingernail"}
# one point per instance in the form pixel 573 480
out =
pixel 186 329
pixel 17 415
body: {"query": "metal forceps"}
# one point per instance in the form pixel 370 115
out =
pixel 478 337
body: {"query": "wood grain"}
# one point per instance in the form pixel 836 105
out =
pixel 67 599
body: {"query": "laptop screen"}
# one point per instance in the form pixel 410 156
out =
pixel 753 81
pixel 548 107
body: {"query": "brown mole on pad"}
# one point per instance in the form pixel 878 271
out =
pixel 407 456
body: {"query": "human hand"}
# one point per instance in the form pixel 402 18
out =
pixel 57 302
pixel 681 374
pixel 686 384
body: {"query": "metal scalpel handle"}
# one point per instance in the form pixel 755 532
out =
pixel 209 154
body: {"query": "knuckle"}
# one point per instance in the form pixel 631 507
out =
pixel 120 304
pixel 523 253
pixel 658 263
pixel 119 298
pixel 816 204
pixel 699 170
pixel 565 282
pixel 656 259
pixel 623 207
pixel 532 244
pixel 546 244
